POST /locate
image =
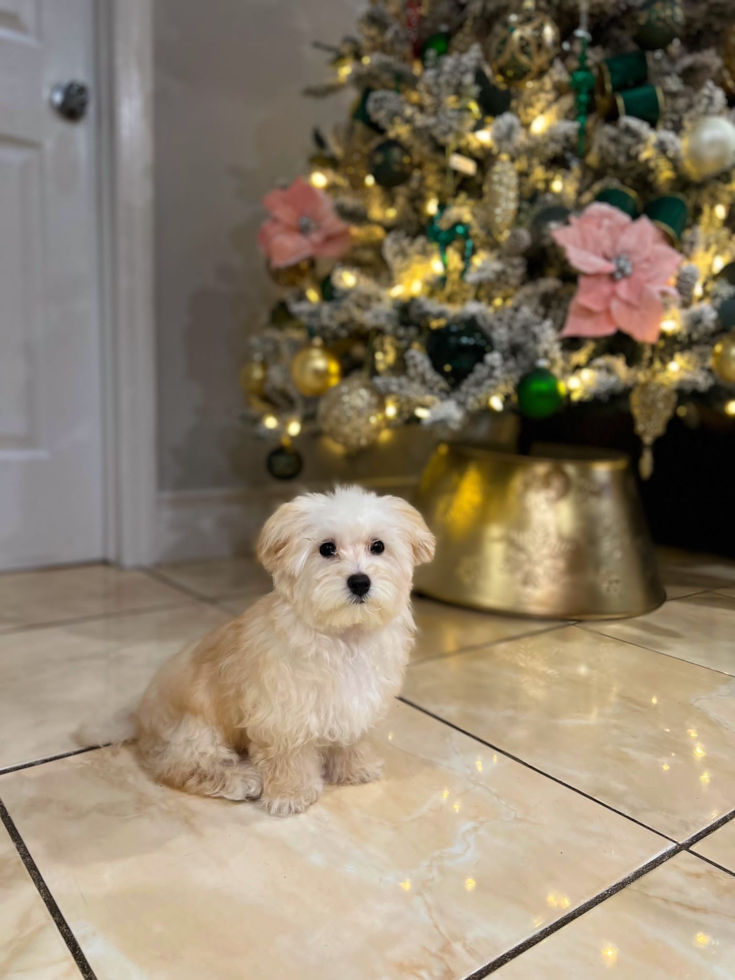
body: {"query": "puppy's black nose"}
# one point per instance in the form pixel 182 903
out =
pixel 359 584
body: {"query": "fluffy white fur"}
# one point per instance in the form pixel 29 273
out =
pixel 278 701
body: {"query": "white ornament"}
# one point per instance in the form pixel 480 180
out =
pixel 709 147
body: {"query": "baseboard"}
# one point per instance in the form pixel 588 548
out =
pixel 220 523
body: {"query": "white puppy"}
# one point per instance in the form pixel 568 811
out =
pixel 279 700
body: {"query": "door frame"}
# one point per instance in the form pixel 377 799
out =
pixel 124 121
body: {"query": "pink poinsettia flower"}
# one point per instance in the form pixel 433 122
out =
pixel 303 225
pixel 627 268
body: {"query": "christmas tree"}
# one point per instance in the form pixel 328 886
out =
pixel 529 206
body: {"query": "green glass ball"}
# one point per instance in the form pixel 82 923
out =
pixel 658 23
pixel 284 463
pixel 435 47
pixel 539 394
pixel 390 164
pixel 455 350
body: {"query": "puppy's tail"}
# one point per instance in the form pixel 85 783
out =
pixel 118 727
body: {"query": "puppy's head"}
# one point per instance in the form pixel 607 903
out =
pixel 345 558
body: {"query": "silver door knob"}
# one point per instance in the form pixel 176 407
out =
pixel 70 99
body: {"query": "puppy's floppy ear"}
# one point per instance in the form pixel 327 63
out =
pixel 420 537
pixel 278 532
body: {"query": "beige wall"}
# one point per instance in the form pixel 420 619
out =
pixel 229 122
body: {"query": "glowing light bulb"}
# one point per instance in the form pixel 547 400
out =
pixel 539 125
pixel 730 408
pixel 699 290
pixel 669 325
pixel 312 295
pixel 398 290
pixel 718 264
pixel 369 180
pixel 421 412
pixel 574 383
pixel 720 211
pixel 416 287
pixel 432 205
pixel 390 213
pixel 496 403
pixel 318 179
pixel 365 59
pixel 270 422
pixel 293 428
pixel 437 266
pixel 673 367
pixel 484 136
pixel 391 409
pixel 349 279
pixel 557 185
pixel 344 71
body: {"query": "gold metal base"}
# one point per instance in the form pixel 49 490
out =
pixel 557 538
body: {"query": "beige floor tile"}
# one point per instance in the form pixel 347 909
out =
pixel 31 947
pixel 453 858
pixel 700 629
pixel 58 681
pixel 675 923
pixel 695 572
pixel 54 595
pixel 214 578
pixel 447 629
pixel 727 592
pixel 651 736
pixel 720 847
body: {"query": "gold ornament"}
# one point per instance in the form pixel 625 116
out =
pixel 315 370
pixel 293 276
pixel 652 405
pixel 501 197
pixel 557 538
pixel 387 355
pixel 252 378
pixel 723 358
pixel 709 147
pixel 522 46
pixel 353 413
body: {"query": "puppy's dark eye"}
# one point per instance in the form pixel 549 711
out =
pixel 328 549
pixel 377 548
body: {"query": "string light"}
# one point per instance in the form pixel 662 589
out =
pixel 432 205
pixel 416 287
pixel 669 325
pixel 484 136
pixel 365 59
pixel 730 408
pixel 398 290
pixel 557 184
pixel 718 264
pixel 673 367
pixel 391 409
pixel 573 383
pixel 586 376
pixel 344 71
pixel 390 213
pixel 312 295
pixel 369 180
pixel 293 428
pixel 349 279
pixel 496 403
pixel 270 422
pixel 421 412
pixel 720 211
pixel 318 179
pixel 699 290
pixel 438 266
pixel 539 125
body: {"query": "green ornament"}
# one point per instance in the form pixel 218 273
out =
pixel 456 349
pixel 360 112
pixel 435 47
pixel 284 463
pixel 670 213
pixel 622 198
pixel 726 314
pixel 658 23
pixel 326 288
pixel 727 273
pixel 390 164
pixel 539 394
pixel 443 237
pixel 583 84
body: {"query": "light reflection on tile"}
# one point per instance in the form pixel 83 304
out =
pixel 443 628
pixel 720 846
pixel 54 595
pixel 604 716
pixel 218 577
pixel 431 872
pixel 675 923
pixel 31 947
pixel 58 680
pixel 700 629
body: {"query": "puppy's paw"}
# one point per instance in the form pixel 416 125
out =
pixel 242 783
pixel 349 768
pixel 285 806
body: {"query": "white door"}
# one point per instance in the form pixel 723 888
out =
pixel 51 478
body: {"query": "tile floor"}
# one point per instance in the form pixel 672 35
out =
pixel 556 799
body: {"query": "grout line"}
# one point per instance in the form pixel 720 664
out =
pixel 658 653
pixel 720 867
pixel 76 620
pixel 51 758
pixel 173 584
pixel 591 903
pixel 54 911
pixel 493 643
pixel 528 765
